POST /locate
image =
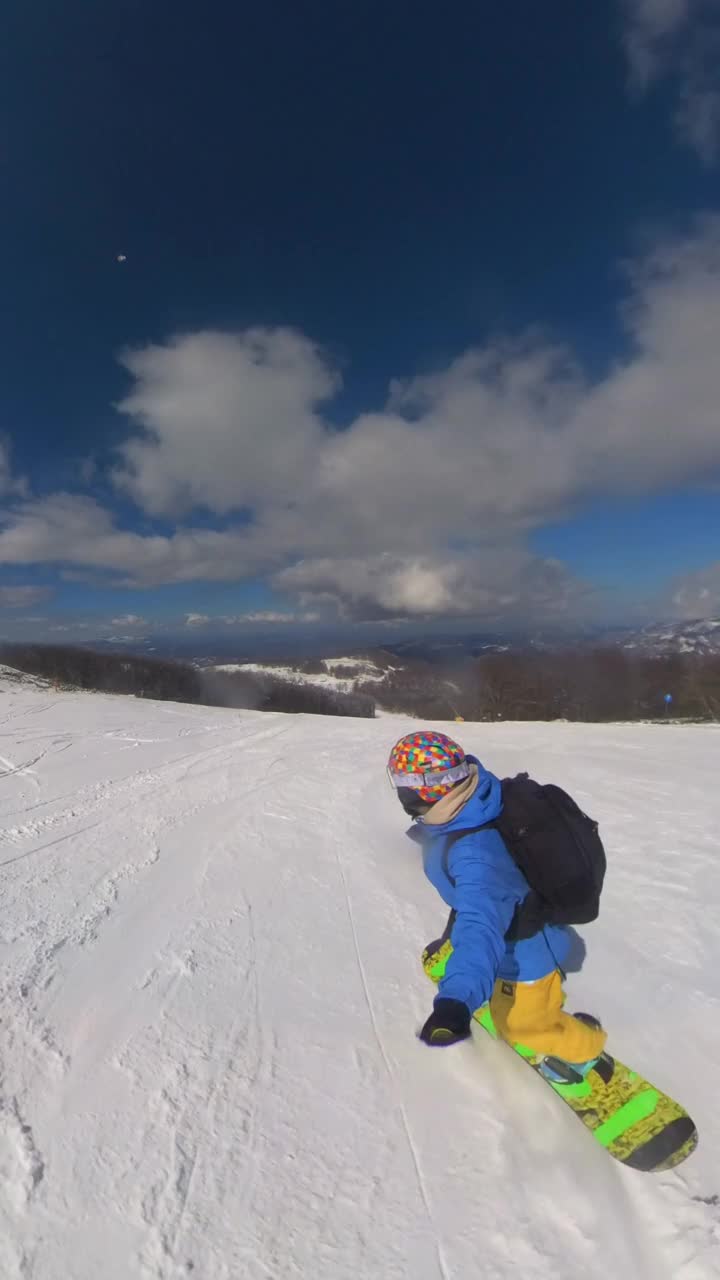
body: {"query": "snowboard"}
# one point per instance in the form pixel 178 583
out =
pixel 634 1121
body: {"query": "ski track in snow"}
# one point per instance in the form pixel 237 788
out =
pixel 210 993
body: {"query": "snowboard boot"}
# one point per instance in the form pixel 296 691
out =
pixel 558 1071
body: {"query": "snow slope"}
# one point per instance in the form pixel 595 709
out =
pixel 210 988
pixel 10 676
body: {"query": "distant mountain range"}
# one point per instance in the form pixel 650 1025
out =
pixel 700 636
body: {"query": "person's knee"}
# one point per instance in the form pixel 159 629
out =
pixel 529 1012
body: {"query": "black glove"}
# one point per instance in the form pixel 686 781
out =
pixel 448 1023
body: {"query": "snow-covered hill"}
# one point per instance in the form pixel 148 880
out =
pixel 11 678
pixel 340 674
pixel 210 987
pixel 700 637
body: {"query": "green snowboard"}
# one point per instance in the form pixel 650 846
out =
pixel 635 1122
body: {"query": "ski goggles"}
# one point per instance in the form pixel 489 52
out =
pixel 432 778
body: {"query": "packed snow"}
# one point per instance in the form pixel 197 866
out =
pixel 211 986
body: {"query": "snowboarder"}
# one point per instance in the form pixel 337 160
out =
pixel 447 792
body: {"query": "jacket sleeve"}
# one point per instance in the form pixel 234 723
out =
pixel 486 895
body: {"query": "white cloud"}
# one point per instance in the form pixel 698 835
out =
pixel 697 595
pixel 10 485
pixel 69 529
pixel 502 582
pixel 88 469
pixel 651 26
pixel 266 618
pixel 425 506
pixel 680 39
pixel 224 417
pixel 698 116
pixel 129 620
pixel 5 479
pixel 23 597
pixel 271 618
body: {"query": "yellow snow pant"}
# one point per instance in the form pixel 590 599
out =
pixel 531 1014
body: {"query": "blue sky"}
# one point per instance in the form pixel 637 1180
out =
pixel 417 319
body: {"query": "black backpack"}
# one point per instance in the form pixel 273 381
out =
pixel 558 849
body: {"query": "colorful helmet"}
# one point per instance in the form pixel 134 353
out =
pixel 429 763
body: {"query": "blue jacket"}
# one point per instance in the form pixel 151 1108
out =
pixel 488 887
